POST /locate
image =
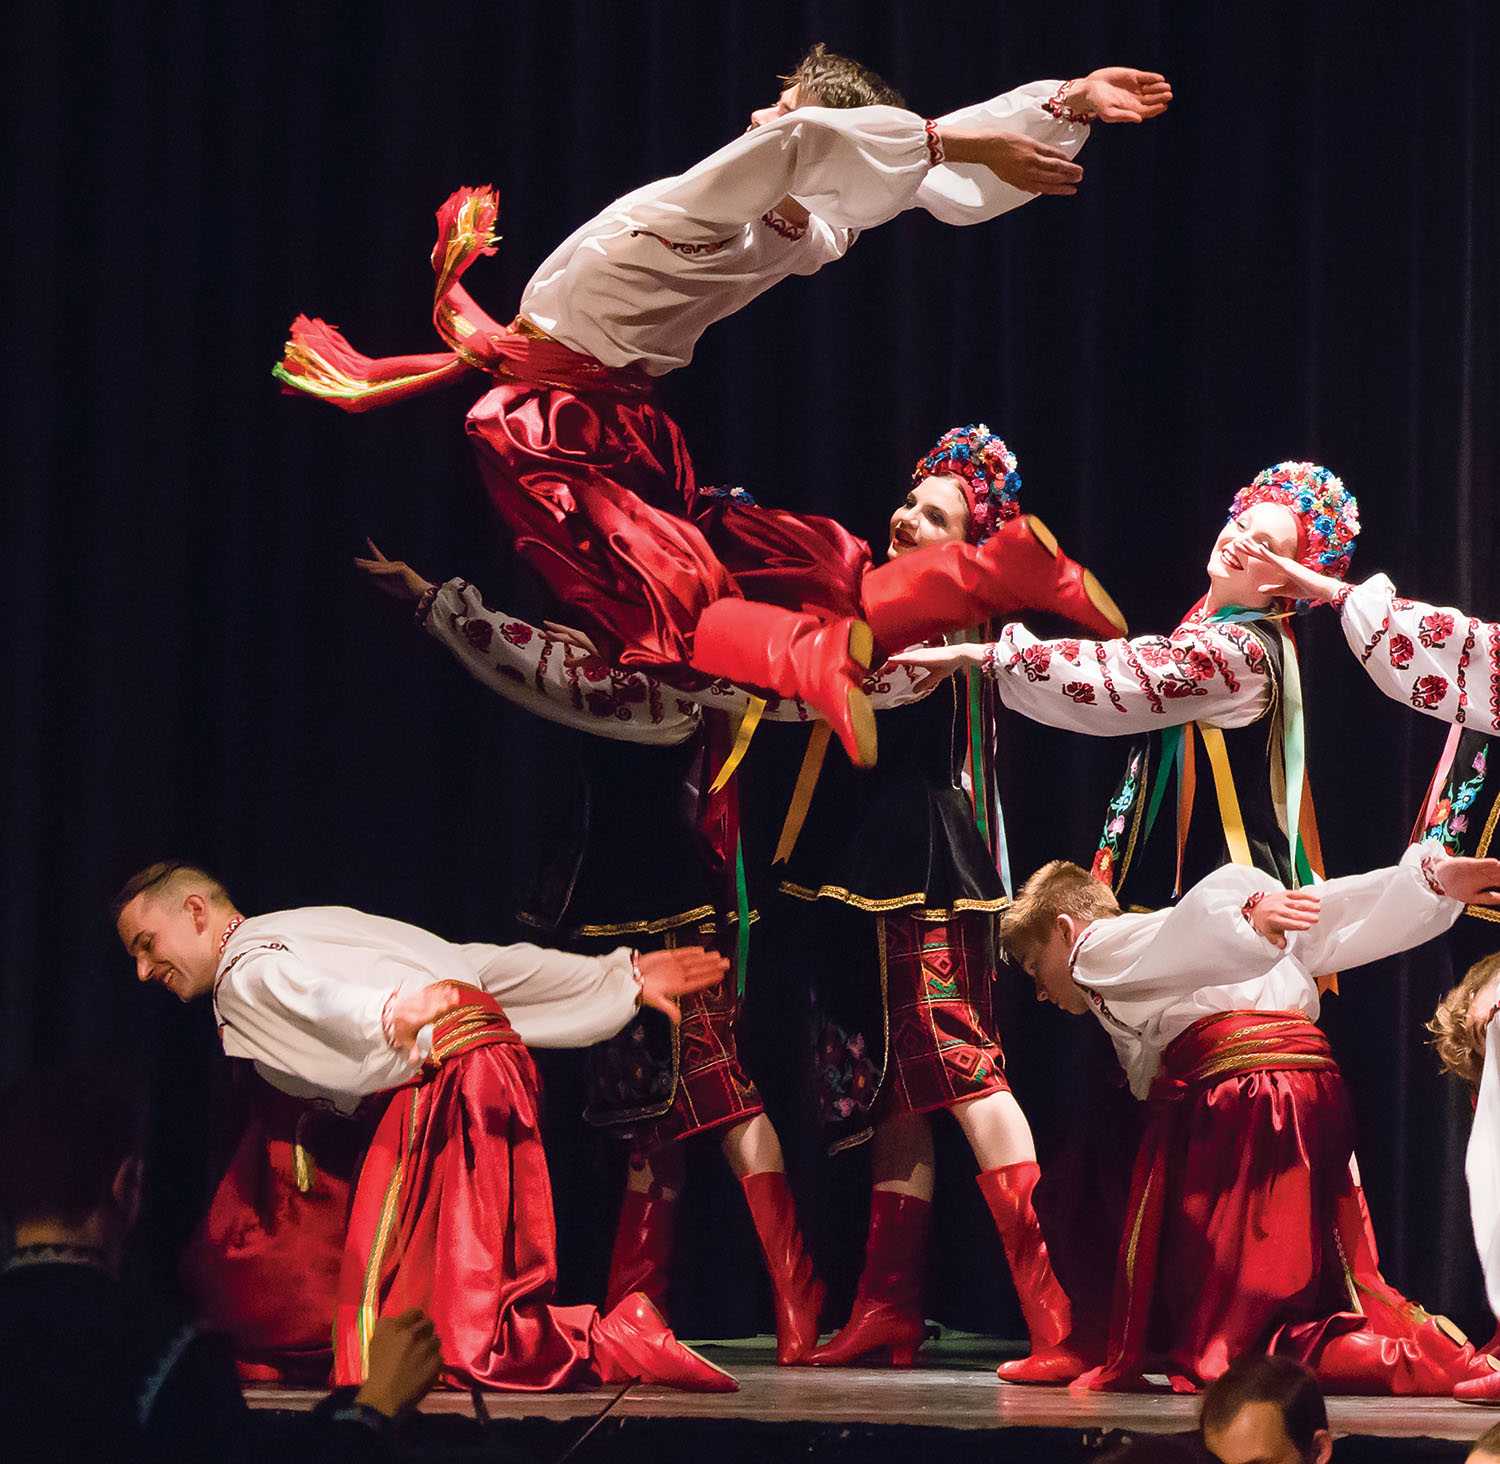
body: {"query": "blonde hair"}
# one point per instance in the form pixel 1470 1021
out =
pixel 1459 1051
pixel 1059 887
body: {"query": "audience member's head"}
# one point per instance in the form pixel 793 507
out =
pixel 1458 1041
pixel 72 1137
pixel 1486 1448
pixel 1266 1410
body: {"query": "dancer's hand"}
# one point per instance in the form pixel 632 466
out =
pixel 1120 94
pixel 1474 881
pixel 577 645
pixel 392 577
pixel 1283 576
pixel 668 975
pixel 404 1360
pixel 1283 912
pixel 940 661
pixel 410 1009
pixel 1014 158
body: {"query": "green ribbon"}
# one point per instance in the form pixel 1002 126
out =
pixel 742 906
pixel 976 755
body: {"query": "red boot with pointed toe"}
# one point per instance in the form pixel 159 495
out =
pixel 633 1344
pixel 1044 1304
pixel 887 1312
pixel 795 1288
pixel 642 1257
pixel 793 655
pixel 1426 1364
pixel 926 592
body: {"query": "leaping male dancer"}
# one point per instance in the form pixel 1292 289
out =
pixel 593 480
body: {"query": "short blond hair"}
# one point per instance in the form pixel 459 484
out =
pixel 1458 1050
pixel 1059 887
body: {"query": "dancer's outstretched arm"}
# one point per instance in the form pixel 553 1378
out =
pixel 532 667
pixel 1206 672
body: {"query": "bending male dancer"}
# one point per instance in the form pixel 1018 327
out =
pixel 453 1210
pixel 590 477
pixel 1244 1228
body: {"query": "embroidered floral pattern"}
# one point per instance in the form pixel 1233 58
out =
pixel 1401 650
pixel 517 633
pixel 478 633
pixel 1433 630
pixel 1080 692
pixel 687 251
pixel 1375 640
pixel 1450 818
pixel 1461 676
pixel 1429 867
pixel 1035 660
pixel 733 492
pixel 1056 106
pixel 1107 855
pixel 1249 907
pixel 788 231
pixel 847 1079
pixel 1427 692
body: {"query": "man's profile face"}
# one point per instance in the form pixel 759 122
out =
pixel 172 942
pixel 788 101
pixel 1257 1435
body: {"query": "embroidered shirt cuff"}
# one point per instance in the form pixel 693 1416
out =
pixel 425 604
pixel 935 154
pixel 1056 106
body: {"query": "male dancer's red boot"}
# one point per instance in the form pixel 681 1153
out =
pixel 887 1311
pixel 793 655
pixel 1426 1364
pixel 795 1288
pixel 1044 1304
pixel 642 1256
pixel 632 1343
pixel 949 586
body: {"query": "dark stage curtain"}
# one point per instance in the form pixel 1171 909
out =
pixel 1299 261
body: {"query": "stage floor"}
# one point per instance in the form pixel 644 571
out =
pixel 953 1387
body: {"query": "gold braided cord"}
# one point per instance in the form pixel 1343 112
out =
pixel 935 914
pixel 319 378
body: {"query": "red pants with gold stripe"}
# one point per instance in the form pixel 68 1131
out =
pixel 1245 1228
pixel 263 1265
pixel 454 1214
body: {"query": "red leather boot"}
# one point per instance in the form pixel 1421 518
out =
pixel 793 655
pixel 919 595
pixel 633 1344
pixel 795 1288
pixel 1426 1364
pixel 1044 1304
pixel 642 1257
pixel 887 1312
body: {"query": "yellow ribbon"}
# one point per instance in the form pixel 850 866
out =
pixel 748 723
pixel 807 782
pixel 1229 803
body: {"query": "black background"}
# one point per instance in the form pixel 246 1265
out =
pixel 1298 261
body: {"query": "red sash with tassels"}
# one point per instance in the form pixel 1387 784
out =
pixel 319 362
pixel 1224 1045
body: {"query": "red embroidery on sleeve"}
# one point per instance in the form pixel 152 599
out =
pixel 1428 692
pixel 935 153
pixel 1401 650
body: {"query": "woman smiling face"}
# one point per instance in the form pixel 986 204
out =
pixel 936 511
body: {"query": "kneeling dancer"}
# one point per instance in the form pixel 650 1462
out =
pixel 1244 1166
pixel 453 1208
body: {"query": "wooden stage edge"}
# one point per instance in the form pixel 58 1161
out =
pixel 954 1388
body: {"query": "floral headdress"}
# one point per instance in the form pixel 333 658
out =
pixel 987 469
pixel 1327 512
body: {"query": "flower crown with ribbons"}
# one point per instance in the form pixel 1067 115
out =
pixel 987 469
pixel 1327 513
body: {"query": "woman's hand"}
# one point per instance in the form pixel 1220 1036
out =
pixel 577 646
pixel 1283 912
pixel 1285 577
pixel 940 661
pixel 392 577
pixel 1120 94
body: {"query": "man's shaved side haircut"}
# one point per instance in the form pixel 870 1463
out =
pixel 840 81
pixel 168 877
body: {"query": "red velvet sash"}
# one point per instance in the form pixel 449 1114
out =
pixel 318 360
pixel 1225 1045
pixel 479 1022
